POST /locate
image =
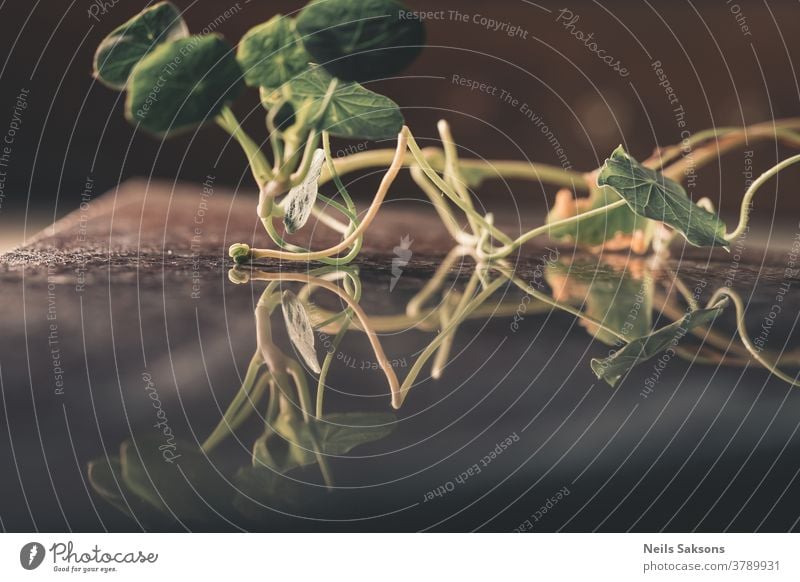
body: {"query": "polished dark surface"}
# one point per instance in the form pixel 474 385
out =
pixel 710 447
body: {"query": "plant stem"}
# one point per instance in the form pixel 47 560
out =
pixel 784 129
pixel 509 169
pixel 545 229
pixel 426 354
pixel 452 172
pixel 415 305
pixel 375 343
pixel 308 153
pixel 443 354
pixel 383 189
pixel 742 329
pixel 448 190
pixel 441 207
pixel 744 212
pixel 226 424
pixel 326 362
pixel 258 163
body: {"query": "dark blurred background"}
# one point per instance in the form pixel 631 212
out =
pixel 728 63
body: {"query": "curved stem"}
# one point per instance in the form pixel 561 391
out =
pixel 226 424
pixel 451 193
pixel 744 213
pixel 452 171
pixel 783 129
pixel 326 362
pixel 742 329
pixel 445 215
pixel 385 364
pixel 443 354
pixel 383 189
pixel 308 153
pixel 258 163
pixel 426 354
pixel 531 234
pixel 435 283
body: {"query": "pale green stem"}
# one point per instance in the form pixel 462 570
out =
pixel 452 171
pixel 275 136
pixel 225 425
pixel 326 362
pixel 744 213
pixel 415 305
pixel 448 190
pixel 742 329
pixel 350 239
pixel 443 354
pixel 441 207
pixel 507 169
pixel 426 354
pixel 258 163
pixel 539 231
pixel 308 153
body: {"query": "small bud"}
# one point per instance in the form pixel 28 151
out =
pixel 240 253
pixel 236 275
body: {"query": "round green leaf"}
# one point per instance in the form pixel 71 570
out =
pixel 182 84
pixel 352 111
pixel 129 43
pixel 361 41
pixel 271 53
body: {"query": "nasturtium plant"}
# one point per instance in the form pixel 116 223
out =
pixel 613 367
pixel 345 109
pixel 272 54
pixel 129 43
pixel 182 84
pixel 308 71
pixel 361 41
pixel 652 195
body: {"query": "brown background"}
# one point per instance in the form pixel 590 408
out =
pixel 721 76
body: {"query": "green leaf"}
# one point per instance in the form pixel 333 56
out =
pixel 291 442
pixel 352 111
pixel 297 204
pixel 596 230
pixel 653 195
pixel 340 433
pixel 612 368
pixel 361 41
pixel 301 333
pixel 272 54
pixel 129 43
pixel 182 84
